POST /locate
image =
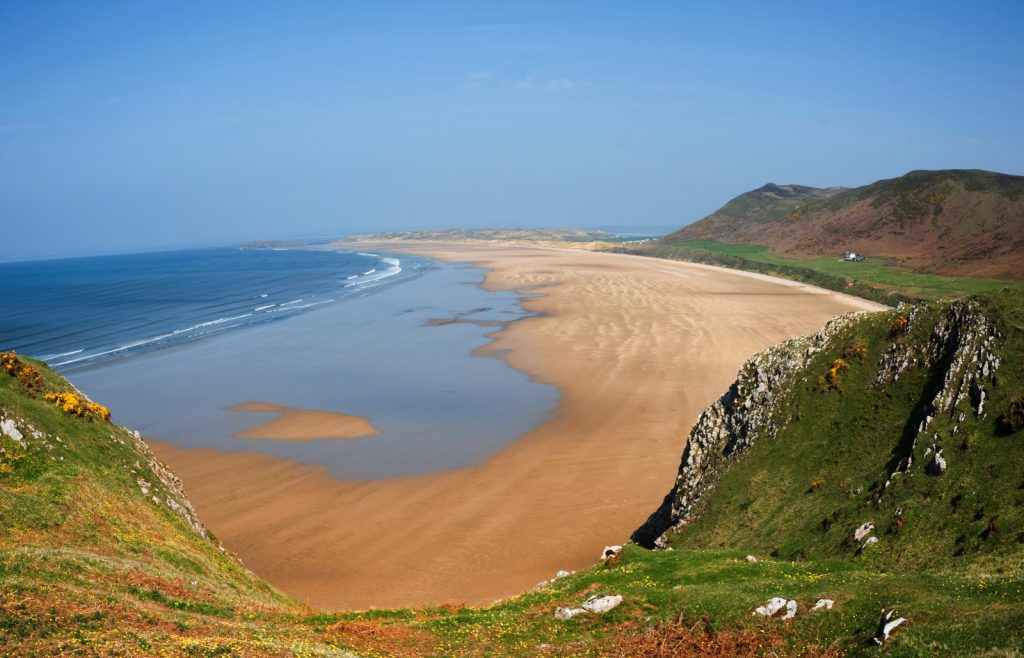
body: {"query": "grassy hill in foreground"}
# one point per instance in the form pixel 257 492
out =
pixel 101 555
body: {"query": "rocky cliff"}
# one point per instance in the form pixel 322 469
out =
pixel 890 416
pixel 749 412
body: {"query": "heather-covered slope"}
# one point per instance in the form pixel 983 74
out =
pixel 961 222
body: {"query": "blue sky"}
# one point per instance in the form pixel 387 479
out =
pixel 135 125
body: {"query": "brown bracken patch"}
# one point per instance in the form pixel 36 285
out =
pixel 685 638
pixel 381 637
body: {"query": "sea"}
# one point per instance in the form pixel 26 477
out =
pixel 170 341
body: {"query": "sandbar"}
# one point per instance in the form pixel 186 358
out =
pixel 294 424
pixel 637 346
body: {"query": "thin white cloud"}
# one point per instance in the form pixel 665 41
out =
pixel 553 85
pixel 529 84
pixel 559 84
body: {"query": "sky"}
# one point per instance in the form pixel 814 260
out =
pixel 148 124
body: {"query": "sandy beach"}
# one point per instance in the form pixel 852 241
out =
pixel 637 346
pixel 304 424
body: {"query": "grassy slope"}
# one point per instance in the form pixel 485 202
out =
pixel 801 496
pixel 89 565
pixel 877 279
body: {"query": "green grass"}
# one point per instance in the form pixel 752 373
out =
pixel 878 279
pixel 716 592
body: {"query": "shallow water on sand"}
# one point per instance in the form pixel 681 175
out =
pixel 384 356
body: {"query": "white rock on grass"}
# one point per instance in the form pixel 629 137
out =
pixel 824 604
pixel 751 559
pixel 773 605
pixel 10 429
pixel 563 614
pixel 562 573
pixel 790 610
pixel 595 604
pixel 863 531
pixel 886 625
pixel 610 551
pixel 602 604
pixel 869 541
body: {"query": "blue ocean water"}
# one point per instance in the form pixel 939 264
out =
pixel 171 342
pixel 82 312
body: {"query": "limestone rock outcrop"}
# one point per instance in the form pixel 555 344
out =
pixel 747 413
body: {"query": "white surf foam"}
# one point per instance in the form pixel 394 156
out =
pixel 154 339
pixel 374 276
pixel 57 356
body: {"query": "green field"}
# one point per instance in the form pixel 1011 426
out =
pixel 877 278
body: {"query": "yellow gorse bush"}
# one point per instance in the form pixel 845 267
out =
pixel 27 376
pixel 77 405
pixel 33 383
pixel 831 380
pixel 899 327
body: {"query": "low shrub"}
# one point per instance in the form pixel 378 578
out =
pixel 1012 419
pixel 77 405
pixel 858 349
pixel 832 379
pixel 27 376
pixel 899 327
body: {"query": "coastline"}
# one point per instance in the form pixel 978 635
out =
pixel 638 347
pixel 376 356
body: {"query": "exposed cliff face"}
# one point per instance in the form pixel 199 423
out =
pixel 747 413
pixel 961 353
pixel 951 350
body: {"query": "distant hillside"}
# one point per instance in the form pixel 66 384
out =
pixel 956 222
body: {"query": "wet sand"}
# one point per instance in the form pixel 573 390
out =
pixel 294 424
pixel 637 346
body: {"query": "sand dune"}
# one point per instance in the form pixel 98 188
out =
pixel 638 348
